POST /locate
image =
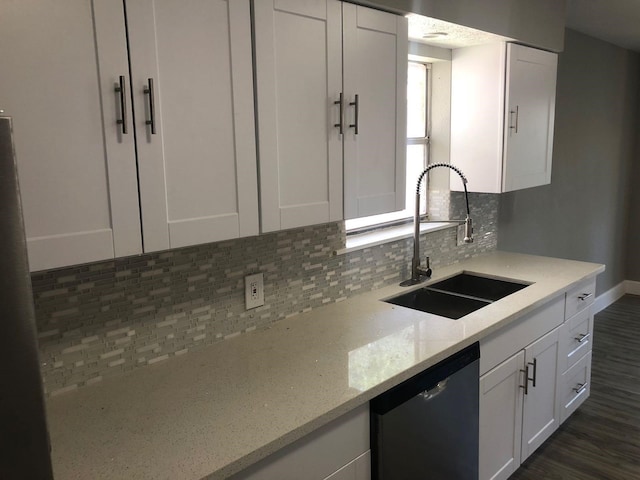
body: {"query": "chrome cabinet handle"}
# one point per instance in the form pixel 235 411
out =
pixel 580 388
pixel 527 378
pixel 535 372
pixel 584 296
pixel 152 106
pixel 340 125
pixel 356 104
pixel 517 112
pixel 582 337
pixel 121 90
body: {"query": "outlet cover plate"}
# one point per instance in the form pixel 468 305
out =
pixel 254 291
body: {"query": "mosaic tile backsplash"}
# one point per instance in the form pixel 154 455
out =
pixel 101 319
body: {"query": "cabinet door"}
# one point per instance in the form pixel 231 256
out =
pixel 298 78
pixel 61 62
pixel 529 117
pixel 477 115
pixel 198 178
pixel 375 86
pixel 540 409
pixel 501 419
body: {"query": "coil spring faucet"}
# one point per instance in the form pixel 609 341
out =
pixel 419 273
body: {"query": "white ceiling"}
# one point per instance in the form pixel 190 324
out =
pixel 615 21
pixel 443 34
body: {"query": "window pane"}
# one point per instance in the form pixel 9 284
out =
pixel 415 166
pixel 416 100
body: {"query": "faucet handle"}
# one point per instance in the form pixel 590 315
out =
pixel 425 271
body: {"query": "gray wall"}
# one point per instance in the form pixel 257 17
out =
pixel 582 215
pixel 633 236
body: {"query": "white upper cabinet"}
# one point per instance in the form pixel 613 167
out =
pixel 175 146
pixel 331 98
pixel 375 85
pixel 298 54
pixel 61 63
pixel 529 117
pixel 502 116
pixel 192 82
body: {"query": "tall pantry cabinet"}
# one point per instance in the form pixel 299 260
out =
pixel 331 111
pixel 122 123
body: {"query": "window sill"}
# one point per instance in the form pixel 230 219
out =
pixel 387 235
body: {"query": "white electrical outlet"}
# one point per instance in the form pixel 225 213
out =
pixel 253 291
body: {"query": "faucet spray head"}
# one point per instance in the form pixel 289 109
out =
pixel 468 230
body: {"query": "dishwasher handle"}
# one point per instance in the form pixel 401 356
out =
pixel 425 381
pixel 435 391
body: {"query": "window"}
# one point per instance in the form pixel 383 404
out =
pixel 418 85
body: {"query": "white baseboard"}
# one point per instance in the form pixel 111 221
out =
pixel 632 287
pixel 607 298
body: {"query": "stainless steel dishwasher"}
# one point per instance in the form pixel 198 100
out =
pixel 426 428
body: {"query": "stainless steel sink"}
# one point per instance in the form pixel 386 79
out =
pixel 457 296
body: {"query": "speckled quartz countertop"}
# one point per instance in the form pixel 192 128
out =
pixel 212 412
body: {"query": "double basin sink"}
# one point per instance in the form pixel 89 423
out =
pixel 459 295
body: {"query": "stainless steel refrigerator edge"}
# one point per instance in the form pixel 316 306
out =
pixel 24 443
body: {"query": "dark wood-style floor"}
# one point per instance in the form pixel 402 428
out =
pixel 601 440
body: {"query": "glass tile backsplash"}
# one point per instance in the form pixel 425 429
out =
pixel 105 318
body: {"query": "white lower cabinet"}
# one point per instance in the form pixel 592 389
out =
pixel 546 376
pixel 518 408
pixel 574 381
pixel 337 451
pixel 501 419
pixel 540 416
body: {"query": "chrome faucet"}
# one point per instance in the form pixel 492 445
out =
pixel 419 273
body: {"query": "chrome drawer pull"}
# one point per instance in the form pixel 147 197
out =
pixel 582 337
pixel 580 388
pixel 584 296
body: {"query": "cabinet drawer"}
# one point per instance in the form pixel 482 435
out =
pixel 580 297
pixel 520 333
pixel 575 386
pixel 358 469
pixel 576 338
